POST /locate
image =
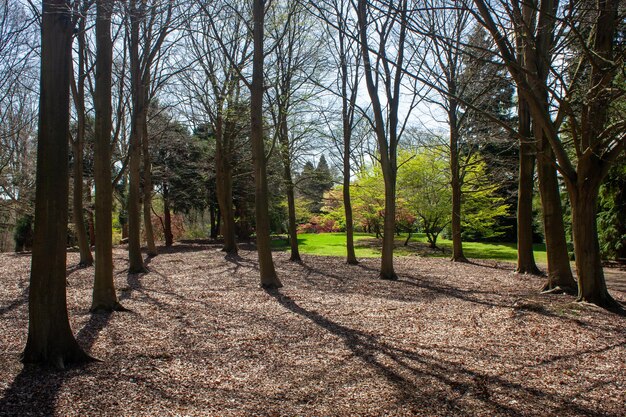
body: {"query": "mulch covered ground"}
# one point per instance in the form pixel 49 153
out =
pixel 203 339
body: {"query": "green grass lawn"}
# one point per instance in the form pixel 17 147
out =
pixel 366 246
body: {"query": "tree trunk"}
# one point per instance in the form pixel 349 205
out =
pixel 50 339
pixel 91 226
pixel 213 220
pixel 224 188
pixel 455 184
pixel 559 272
pixel 283 137
pixel 293 227
pixel 86 258
pixel 147 185
pixel 584 200
pixel 269 279
pixel 389 226
pixel 104 297
pixel 167 218
pixel 347 204
pixel 135 259
pixel 525 256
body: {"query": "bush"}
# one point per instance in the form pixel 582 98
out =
pixel 319 224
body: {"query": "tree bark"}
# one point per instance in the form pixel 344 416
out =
pixel 387 138
pixel 559 271
pixel 86 258
pixel 213 220
pixel 269 279
pixel 167 218
pixel 50 339
pixel 525 256
pixel 147 183
pixel 455 184
pixel 347 204
pixel 291 208
pixel 104 297
pixel 135 258
pixel 283 138
pixel 224 186
pixel 387 271
pixel 347 117
pixel 591 283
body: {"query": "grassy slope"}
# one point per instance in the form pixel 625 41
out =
pixel 333 244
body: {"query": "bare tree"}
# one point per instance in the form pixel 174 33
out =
pixel 385 72
pixel 293 67
pixel 156 22
pixel 78 94
pixel 214 80
pixel 343 44
pixel 269 279
pixel 104 297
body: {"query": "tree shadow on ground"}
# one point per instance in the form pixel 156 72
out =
pixel 412 374
pixel 19 301
pixel 34 390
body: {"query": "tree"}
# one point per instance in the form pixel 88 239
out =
pixel 50 339
pixel 447 27
pixel 78 93
pixel 559 272
pixel 17 122
pixel 294 64
pixel 344 49
pixel 269 279
pixel 138 91
pixel 179 168
pixel 104 297
pixel 156 22
pixel 385 72
pixel 578 99
pixel 611 219
pixel 424 183
pixel 215 83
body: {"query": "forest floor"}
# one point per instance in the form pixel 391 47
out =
pixel 202 338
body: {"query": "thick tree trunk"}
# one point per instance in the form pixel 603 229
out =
pixel 104 297
pixel 147 187
pixel 50 339
pixel 167 218
pixel 559 271
pixel 455 184
pixel 269 279
pixel 389 226
pixel 525 256
pixel 224 188
pixel 584 200
pixel 135 258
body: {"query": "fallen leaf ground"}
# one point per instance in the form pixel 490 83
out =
pixel 203 339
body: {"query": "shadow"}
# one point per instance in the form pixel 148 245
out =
pixel 34 390
pixel 21 300
pixel 413 374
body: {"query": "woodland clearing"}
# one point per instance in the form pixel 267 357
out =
pixel 201 338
